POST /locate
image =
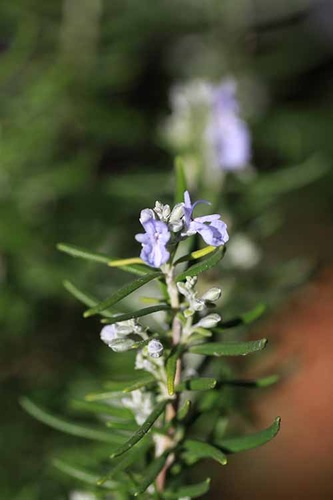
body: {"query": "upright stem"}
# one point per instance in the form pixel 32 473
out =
pixel 171 409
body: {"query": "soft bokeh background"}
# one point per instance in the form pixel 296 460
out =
pixel 85 88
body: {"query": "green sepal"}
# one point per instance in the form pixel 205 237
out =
pixel 136 314
pixel 151 473
pixel 122 293
pixel 68 427
pixel 171 368
pixel 196 384
pixel 229 348
pixel 142 431
pixel 82 475
pixel 204 265
pixel 196 450
pixel 234 445
pixel 244 319
pixel 75 251
pixel 180 180
pixel 191 491
pixel 84 297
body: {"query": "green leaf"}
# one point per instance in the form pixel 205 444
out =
pixel 234 445
pixel 101 408
pixel 75 251
pixel 197 254
pixel 83 297
pixel 130 385
pixel 69 427
pixel 198 449
pixel 151 472
pixel 81 474
pixel 204 265
pixel 81 253
pixel 196 384
pixel 244 319
pixel 131 456
pixel 183 410
pixel 180 180
pixel 229 348
pixel 142 431
pixel 122 293
pixel 259 383
pixel 191 491
pixel 136 314
pixel 171 368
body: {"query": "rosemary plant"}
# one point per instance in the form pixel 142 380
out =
pixel 153 421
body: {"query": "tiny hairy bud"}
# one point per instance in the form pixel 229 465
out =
pixel 209 321
pixel 212 295
pixel 108 334
pixel 155 348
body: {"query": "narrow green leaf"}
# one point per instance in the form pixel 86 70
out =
pixel 151 472
pixel 121 426
pixel 234 445
pixel 197 254
pixel 180 180
pixel 190 491
pixel 204 265
pixel 184 410
pixel 130 385
pixel 171 368
pixel 199 449
pixel 229 348
pixel 81 474
pixel 69 427
pixel 136 314
pixel 83 297
pixel 244 319
pixel 131 456
pixel 196 384
pixel 101 408
pixel 259 383
pixel 75 251
pixel 142 431
pixel 122 293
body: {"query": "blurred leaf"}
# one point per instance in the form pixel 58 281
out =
pixel 171 368
pixel 196 384
pixel 82 475
pixel 206 264
pixel 198 254
pixel 234 445
pixel 259 383
pixel 69 427
pixel 191 491
pixel 184 410
pixel 101 408
pixel 122 293
pixel 151 472
pixel 142 431
pixel 244 319
pixel 229 348
pixel 181 186
pixel 136 314
pixel 196 450
pixel 131 385
pixel 85 298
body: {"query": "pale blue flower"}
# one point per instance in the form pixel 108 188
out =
pixel 227 133
pixel 212 229
pixel 154 240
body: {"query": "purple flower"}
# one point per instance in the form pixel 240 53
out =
pixel 227 134
pixel 212 229
pixel 154 240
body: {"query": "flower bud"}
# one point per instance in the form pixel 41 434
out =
pixel 209 321
pixel 122 344
pixel 212 295
pixel 155 348
pixel 108 334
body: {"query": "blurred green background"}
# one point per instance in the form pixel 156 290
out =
pixel 85 88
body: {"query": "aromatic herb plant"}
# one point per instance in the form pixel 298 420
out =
pixel 171 416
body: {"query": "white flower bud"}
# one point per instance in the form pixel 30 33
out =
pixel 121 344
pixel 108 334
pixel 209 321
pixel 146 214
pixel 212 295
pixel 155 348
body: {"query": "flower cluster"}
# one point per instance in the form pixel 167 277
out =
pixel 164 226
pixel 193 302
